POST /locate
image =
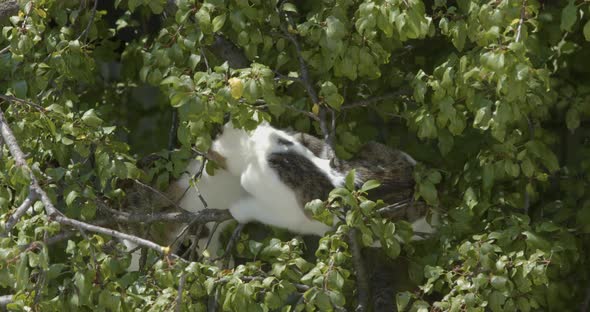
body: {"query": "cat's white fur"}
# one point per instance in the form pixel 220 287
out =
pixel 270 201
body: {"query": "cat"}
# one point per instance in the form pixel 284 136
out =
pixel 256 157
pixel 283 171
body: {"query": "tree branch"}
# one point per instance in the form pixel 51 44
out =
pixel 109 232
pixel 362 283
pixel 21 210
pixel 520 21
pixel 306 80
pixel 304 112
pixel 9 98
pixel 180 289
pixel 230 245
pixel 19 158
pixel 50 209
pixel 173 130
pixel 84 33
pixel 372 100
pixel 203 216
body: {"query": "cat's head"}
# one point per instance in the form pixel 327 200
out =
pixel 230 149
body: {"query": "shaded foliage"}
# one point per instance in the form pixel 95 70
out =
pixel 491 97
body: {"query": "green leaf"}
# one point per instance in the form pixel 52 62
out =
pixel 369 185
pixel 194 60
pixel 20 88
pixel 335 280
pixel 587 31
pixel 499 282
pixel 90 119
pixel 335 28
pixel 350 178
pixel 173 80
pixel 72 195
pixel 569 15
pixel 428 192
pixel 402 300
pixel 289 7
pixel 218 22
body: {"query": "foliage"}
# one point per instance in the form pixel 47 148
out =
pixel 496 112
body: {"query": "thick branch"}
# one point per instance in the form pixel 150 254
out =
pixel 97 229
pixel 203 216
pixel 19 158
pixel 21 210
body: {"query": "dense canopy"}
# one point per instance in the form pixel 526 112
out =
pixel 490 97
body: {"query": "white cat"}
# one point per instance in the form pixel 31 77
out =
pixel 270 200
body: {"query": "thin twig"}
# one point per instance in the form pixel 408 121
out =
pixel 527 196
pixel 372 100
pixel 304 112
pixel 307 82
pixel 362 284
pixel 247 278
pixel 5 49
pixel 212 305
pixel 394 208
pixel 285 77
pixel 205 60
pixel 84 33
pixel 159 193
pixel 9 98
pixel 21 210
pixel 211 233
pixel 180 289
pixel 520 21
pixel 230 245
pixel 173 130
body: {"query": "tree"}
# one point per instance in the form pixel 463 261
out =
pixel 491 97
